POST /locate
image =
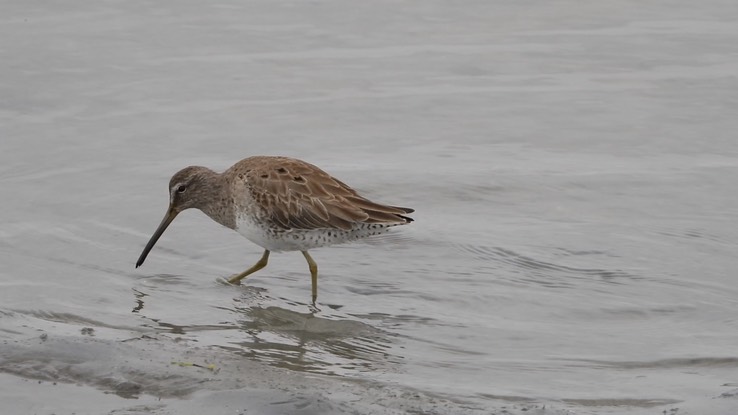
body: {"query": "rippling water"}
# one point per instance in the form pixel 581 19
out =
pixel 572 167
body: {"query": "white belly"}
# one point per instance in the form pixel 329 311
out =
pixel 300 240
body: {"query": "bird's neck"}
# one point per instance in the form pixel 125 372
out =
pixel 218 204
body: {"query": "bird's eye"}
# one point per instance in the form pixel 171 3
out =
pixel 181 189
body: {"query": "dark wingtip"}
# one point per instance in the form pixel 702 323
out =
pixel 405 210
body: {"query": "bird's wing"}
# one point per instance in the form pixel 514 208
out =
pixel 299 195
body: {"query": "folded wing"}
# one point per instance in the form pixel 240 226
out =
pixel 299 195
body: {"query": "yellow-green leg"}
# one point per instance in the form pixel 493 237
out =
pixel 313 274
pixel 236 279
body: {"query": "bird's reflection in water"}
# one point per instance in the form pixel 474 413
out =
pixel 139 300
pixel 302 341
pixel 308 343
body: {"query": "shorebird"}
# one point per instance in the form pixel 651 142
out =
pixel 280 204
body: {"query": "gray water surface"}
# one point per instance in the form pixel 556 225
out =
pixel 572 165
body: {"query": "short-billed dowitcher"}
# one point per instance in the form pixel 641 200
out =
pixel 280 204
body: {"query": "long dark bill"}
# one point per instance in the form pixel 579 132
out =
pixel 168 218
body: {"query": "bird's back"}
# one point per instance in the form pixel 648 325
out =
pixel 294 205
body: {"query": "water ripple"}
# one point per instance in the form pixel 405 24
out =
pixel 544 272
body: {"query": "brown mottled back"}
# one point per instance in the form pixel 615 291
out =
pixel 293 194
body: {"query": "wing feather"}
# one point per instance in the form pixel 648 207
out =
pixel 294 194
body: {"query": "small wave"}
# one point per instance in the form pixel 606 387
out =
pixel 541 271
pixel 674 363
pixel 638 403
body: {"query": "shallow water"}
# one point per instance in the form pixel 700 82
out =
pixel 572 167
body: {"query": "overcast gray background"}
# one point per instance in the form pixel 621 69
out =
pixel 573 166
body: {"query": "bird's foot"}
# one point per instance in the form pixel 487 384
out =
pixel 313 308
pixel 228 281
